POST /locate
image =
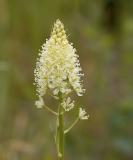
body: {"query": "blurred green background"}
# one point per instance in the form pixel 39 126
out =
pixel 102 33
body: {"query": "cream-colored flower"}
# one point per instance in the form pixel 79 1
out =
pixel 39 103
pixel 58 68
pixel 68 104
pixel 82 114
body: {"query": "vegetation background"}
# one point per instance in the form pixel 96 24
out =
pixel 102 33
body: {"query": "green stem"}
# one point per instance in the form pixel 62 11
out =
pixel 60 130
pixel 72 125
pixel 50 110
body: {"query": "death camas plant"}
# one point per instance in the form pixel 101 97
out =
pixel 58 72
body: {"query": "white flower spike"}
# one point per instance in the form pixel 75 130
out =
pixel 82 114
pixel 58 68
pixel 58 71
